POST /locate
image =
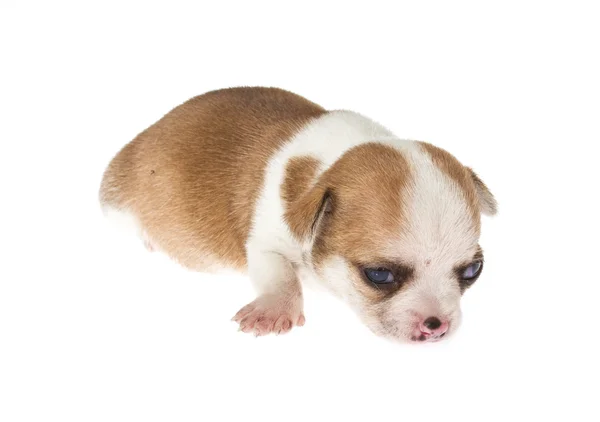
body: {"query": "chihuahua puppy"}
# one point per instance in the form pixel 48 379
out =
pixel 266 182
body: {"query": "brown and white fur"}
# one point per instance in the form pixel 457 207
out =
pixel 264 181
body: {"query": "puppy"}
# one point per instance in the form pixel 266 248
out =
pixel 266 182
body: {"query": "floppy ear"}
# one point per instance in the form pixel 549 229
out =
pixel 307 216
pixel 487 202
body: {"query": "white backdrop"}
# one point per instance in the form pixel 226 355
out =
pixel 94 328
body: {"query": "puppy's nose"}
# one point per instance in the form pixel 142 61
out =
pixel 432 323
pixel 433 327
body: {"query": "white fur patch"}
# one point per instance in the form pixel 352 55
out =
pixel 438 234
pixel 438 221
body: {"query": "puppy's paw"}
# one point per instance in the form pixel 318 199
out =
pixel 270 314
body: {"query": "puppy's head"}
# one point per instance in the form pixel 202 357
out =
pixel 394 232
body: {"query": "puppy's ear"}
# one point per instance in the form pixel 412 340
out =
pixel 308 215
pixel 487 202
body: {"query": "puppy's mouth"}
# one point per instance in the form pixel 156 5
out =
pixel 412 327
pixel 415 335
pixel 421 337
pixel 418 332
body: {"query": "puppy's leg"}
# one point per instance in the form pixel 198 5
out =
pixel 279 305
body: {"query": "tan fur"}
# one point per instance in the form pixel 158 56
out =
pixel 171 176
pixel 448 164
pixel 299 174
pixel 365 187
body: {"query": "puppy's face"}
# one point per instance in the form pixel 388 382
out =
pixel 396 237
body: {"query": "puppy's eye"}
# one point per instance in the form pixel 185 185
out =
pixel 472 271
pixel 379 275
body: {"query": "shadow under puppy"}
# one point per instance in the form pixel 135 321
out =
pixel 266 182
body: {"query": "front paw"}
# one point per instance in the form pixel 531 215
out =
pixel 270 314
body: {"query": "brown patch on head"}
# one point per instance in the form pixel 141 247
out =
pixel 458 173
pixel 357 204
pixel 368 183
pixel 194 176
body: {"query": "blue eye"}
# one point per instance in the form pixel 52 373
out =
pixel 379 275
pixel 472 271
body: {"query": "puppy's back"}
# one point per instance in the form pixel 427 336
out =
pixel 191 180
